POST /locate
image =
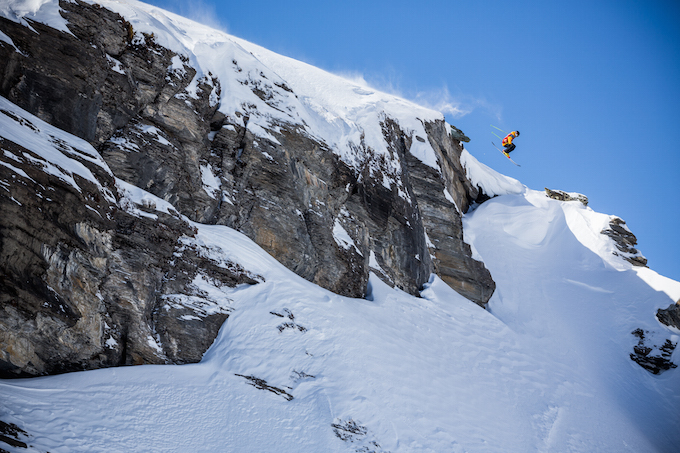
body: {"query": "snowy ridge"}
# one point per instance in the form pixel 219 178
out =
pixel 341 113
pixel 490 181
pixel 297 368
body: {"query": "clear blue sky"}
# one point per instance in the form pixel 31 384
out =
pixel 592 85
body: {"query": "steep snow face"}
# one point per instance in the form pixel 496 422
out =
pixel 490 181
pixel 265 88
pixel 297 368
pixel 572 301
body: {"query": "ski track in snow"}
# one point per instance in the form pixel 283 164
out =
pixel 545 369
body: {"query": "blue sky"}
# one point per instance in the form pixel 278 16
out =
pixel 593 86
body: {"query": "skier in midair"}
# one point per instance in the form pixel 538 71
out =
pixel 508 146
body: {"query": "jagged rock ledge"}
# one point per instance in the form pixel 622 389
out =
pixel 566 196
pixel 625 242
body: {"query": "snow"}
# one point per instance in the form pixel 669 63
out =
pixel 576 304
pixel 489 180
pixel 8 40
pixel 116 65
pixel 43 11
pixel 342 238
pixel 545 369
pixel 132 197
pixel 211 184
pixel 55 151
pixel 659 282
pixel 344 114
pixel 157 133
pixel 124 143
pixel 373 262
pixel 16 170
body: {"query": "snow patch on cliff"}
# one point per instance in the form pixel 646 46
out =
pixel 488 180
pixel 53 150
pixel 269 88
pixel 43 11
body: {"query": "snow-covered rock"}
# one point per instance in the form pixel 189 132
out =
pixel 230 133
pixel 212 202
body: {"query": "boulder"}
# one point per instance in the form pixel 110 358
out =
pixel 566 196
pixel 670 316
pixel 625 242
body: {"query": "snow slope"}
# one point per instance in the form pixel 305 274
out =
pixel 296 368
pixel 344 114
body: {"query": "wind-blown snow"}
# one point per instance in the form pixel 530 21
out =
pixel 489 180
pixel 341 113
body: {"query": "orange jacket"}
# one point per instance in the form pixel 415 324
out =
pixel 508 138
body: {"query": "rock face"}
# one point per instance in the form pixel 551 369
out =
pixel 655 358
pixel 670 316
pixel 89 279
pixel 625 241
pixel 86 283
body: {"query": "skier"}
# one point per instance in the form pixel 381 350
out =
pixel 508 146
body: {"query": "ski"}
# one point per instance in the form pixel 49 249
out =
pixel 505 154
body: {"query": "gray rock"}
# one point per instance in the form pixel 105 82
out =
pixel 457 134
pixel 652 357
pixel 85 284
pixel 452 257
pixel 625 242
pixel 670 316
pixel 564 196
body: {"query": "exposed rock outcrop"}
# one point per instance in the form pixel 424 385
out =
pixel 566 196
pixel 655 358
pixel 88 283
pixel 85 284
pixel 670 316
pixel 457 134
pixel 120 91
pixel 625 242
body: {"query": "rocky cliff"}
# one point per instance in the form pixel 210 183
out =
pixel 92 275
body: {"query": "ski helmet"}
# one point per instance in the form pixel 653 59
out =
pixel 517 133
